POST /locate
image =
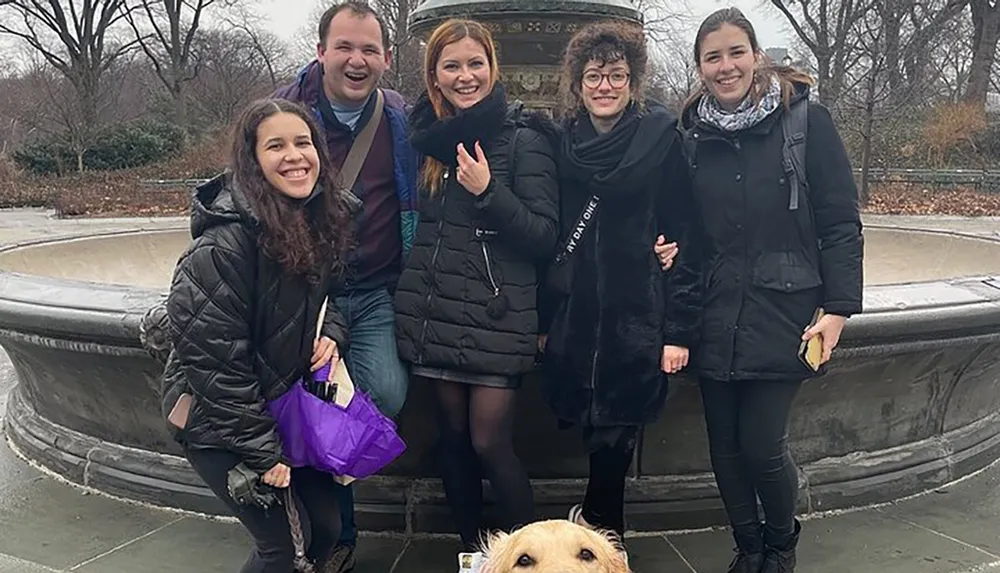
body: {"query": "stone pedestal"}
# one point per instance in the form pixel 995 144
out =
pixel 910 403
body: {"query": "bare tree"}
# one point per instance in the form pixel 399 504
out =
pixel 673 75
pixel 986 36
pixel 911 28
pixel 951 60
pixel 13 96
pixel 405 75
pixel 233 73
pixel 303 47
pixel 866 93
pixel 77 38
pixel 273 51
pixel 662 19
pixel 825 28
pixel 166 31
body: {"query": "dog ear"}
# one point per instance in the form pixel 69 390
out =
pixel 612 552
pixel 619 565
pixel 494 547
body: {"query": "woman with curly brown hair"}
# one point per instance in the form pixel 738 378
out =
pixel 270 237
pixel 617 324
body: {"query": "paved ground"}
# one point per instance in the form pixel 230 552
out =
pixel 985 226
pixel 48 526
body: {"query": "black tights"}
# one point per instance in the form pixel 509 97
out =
pixel 747 424
pixel 476 426
pixel 610 459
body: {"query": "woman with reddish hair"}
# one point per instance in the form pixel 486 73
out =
pixel 466 304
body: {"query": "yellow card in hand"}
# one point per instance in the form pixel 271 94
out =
pixel 811 351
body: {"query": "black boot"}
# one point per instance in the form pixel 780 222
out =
pixel 749 552
pixel 781 559
pixel 746 562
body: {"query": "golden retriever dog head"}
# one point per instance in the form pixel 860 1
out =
pixel 556 546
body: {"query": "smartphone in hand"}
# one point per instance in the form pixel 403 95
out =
pixel 811 351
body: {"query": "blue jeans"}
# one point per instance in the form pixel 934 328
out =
pixel 374 365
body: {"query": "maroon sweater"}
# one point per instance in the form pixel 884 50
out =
pixel 376 261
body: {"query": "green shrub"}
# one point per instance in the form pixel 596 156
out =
pixel 49 157
pixel 988 144
pixel 121 147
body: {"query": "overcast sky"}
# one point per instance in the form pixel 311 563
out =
pixel 288 16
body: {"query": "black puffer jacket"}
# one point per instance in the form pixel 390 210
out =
pixel 242 330
pixel 467 297
pixel 767 267
pixel 607 331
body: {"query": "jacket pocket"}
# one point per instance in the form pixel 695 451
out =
pixel 488 273
pixel 785 271
pixel 497 304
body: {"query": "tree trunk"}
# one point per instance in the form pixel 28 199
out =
pixel 866 147
pixel 180 106
pixel 891 26
pixel 986 23
pixel 829 91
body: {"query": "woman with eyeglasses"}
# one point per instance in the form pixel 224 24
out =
pixel 617 324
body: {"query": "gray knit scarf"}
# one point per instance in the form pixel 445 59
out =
pixel 746 115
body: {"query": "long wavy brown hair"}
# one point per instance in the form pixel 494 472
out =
pixel 607 42
pixel 449 32
pixel 300 236
pixel 787 75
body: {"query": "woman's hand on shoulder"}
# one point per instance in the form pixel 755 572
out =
pixel 674 359
pixel 324 351
pixel 473 173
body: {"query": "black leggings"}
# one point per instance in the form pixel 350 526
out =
pixel 611 451
pixel 747 424
pixel 273 550
pixel 476 427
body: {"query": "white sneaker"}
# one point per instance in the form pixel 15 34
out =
pixel 470 562
pixel 576 516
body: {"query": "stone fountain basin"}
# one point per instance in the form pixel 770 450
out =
pixel 911 402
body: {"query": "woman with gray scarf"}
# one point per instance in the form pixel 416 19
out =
pixel 782 242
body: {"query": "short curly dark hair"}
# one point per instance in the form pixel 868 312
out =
pixel 605 41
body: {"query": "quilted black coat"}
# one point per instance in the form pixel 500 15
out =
pixel 467 298
pixel 768 267
pixel 241 328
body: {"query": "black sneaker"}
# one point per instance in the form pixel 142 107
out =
pixel 782 559
pixel 779 561
pixel 746 563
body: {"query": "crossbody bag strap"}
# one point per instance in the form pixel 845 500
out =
pixel 359 149
pixel 583 221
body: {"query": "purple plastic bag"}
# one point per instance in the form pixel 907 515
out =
pixel 356 441
pixel 385 444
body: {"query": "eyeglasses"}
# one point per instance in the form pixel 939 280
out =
pixel 617 80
